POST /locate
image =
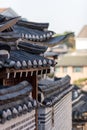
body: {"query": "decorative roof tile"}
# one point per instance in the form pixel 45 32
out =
pixel 33 32
pixel 54 90
pixel 21 59
pixel 15 100
pixel 79 113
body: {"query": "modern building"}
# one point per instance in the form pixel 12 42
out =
pixel 74 64
pixel 81 39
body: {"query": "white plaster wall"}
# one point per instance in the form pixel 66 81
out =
pixel 24 122
pixel 81 43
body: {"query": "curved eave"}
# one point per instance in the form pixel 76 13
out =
pixel 15 95
pixel 52 86
pixel 8 23
pixel 22 60
pixel 16 88
pixel 48 102
pixel 55 40
pixel 32 48
pixel 33 25
pixel 9 36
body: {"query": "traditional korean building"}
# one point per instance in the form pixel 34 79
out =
pixel 28 100
pixel 79 110
pixel 55 97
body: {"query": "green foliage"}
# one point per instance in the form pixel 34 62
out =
pixel 81 82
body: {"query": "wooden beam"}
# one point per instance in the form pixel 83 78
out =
pixel 34 82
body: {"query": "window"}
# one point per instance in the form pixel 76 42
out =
pixel 65 69
pixel 78 69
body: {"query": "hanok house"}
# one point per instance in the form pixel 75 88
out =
pixel 74 64
pixel 22 96
pixel 79 110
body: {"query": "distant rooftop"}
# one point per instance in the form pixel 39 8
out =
pixel 3 9
pixel 73 59
pixel 8 12
pixel 83 32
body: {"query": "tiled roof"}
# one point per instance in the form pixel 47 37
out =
pixel 54 90
pixel 33 25
pixel 15 92
pixel 31 48
pixel 83 32
pixel 15 101
pixel 79 114
pixel 21 59
pixel 34 33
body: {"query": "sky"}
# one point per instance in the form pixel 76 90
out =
pixel 62 15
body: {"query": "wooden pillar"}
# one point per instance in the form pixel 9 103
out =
pixel 34 82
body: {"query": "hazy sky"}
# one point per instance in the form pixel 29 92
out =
pixel 63 15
